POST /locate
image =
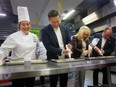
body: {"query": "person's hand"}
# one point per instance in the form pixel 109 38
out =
pixel 89 50
pixel 69 46
pixel 65 52
pixel 98 51
pixel 102 51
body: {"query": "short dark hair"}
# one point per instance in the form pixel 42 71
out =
pixel 53 13
pixel 107 28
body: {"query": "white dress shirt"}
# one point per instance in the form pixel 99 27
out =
pixel 60 41
pixel 103 42
pixel 59 37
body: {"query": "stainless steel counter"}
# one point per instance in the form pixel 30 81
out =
pixel 23 71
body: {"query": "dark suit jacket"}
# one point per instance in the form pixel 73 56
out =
pixel 77 47
pixel 108 47
pixel 50 41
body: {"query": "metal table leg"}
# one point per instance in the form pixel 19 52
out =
pixel 109 77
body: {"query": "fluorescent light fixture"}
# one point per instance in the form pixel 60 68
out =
pixel 90 18
pixel 100 28
pixel 68 14
pixel 114 2
pixel 2 14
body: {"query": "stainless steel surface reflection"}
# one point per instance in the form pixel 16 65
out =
pixel 49 68
pixel 27 65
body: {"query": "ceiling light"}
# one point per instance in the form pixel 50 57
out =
pixel 114 2
pixel 90 18
pixel 68 14
pixel 2 14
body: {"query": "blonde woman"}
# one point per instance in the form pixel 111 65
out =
pixel 80 44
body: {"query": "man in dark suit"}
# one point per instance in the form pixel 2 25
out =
pixel 103 45
pixel 55 37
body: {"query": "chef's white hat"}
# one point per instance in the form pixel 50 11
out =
pixel 23 14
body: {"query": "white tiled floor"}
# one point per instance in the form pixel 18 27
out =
pixel 88 79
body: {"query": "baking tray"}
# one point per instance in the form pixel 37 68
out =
pixel 101 57
pixel 66 60
pixel 22 62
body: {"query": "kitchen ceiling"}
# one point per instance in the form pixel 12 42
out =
pixel 40 8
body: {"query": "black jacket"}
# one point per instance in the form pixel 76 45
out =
pixel 108 47
pixel 77 47
pixel 50 41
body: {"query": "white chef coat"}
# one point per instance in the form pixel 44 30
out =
pixel 23 47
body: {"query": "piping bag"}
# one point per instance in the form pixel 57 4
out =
pixel 69 53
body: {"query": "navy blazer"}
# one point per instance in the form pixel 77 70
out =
pixel 50 41
pixel 108 47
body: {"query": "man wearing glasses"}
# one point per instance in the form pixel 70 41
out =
pixel 103 45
